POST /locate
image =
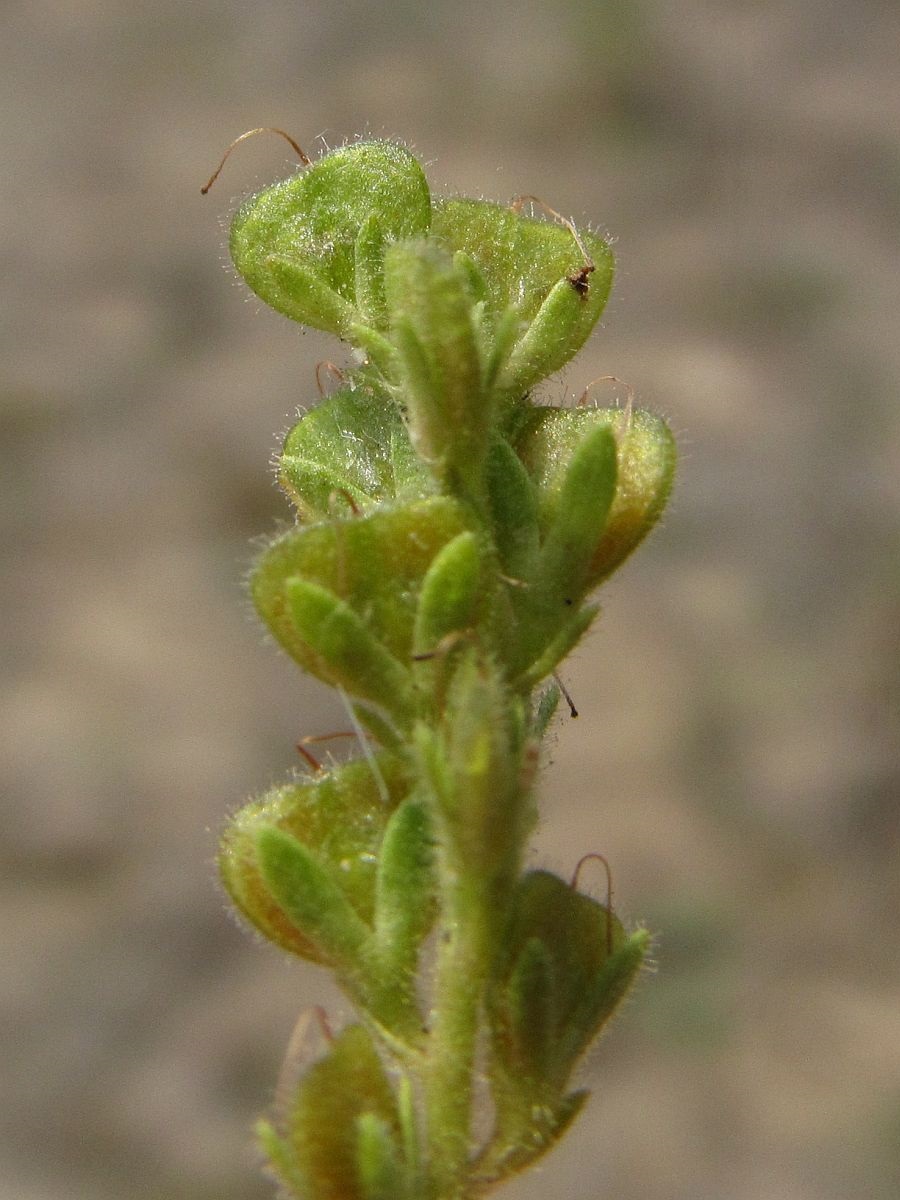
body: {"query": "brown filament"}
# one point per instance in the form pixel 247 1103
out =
pixel 313 739
pixel 573 711
pixel 579 280
pixel 296 1058
pixel 345 495
pixel 447 643
pixel 310 758
pixel 593 856
pixel 250 133
pixel 629 395
pixel 325 364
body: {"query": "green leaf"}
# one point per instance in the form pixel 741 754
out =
pixel 478 288
pixel 452 592
pixel 405 905
pixel 311 899
pixel 559 330
pixel 531 1017
pixel 296 243
pixel 542 656
pixel 409 1135
pixel 586 494
pixel 380 351
pixel 380 1173
pixel 352 449
pixel 548 702
pixel 513 510
pixel 369 272
pixel 645 456
pixel 349 655
pixel 606 992
pixel 497 355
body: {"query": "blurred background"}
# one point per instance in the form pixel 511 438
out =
pixel 736 757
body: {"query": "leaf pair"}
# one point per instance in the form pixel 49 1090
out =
pixel 334 871
pixel 317 248
pixel 355 601
pixel 569 500
pixel 534 278
pixel 564 966
pixel 341 598
pixel 571 495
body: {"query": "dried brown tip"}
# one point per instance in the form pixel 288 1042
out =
pixel 250 133
pixel 579 280
pixel 593 856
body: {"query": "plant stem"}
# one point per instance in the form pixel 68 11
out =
pixel 464 953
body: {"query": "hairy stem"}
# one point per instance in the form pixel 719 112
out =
pixel 464 953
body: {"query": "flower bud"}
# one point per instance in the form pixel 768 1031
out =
pixel 473 764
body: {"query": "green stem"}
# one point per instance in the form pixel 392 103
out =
pixel 463 954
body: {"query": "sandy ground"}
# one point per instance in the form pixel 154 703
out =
pixel 737 754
